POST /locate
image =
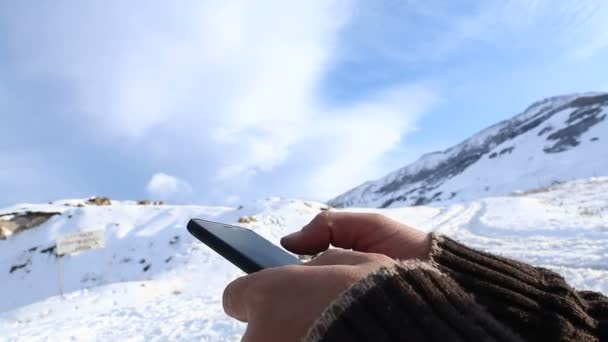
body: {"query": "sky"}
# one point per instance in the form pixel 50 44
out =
pixel 222 102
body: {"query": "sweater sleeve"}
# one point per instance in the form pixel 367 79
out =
pixel 411 301
pixel 462 294
pixel 535 302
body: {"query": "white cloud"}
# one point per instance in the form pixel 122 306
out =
pixel 228 92
pixel 227 89
pixel 166 186
pixel 357 137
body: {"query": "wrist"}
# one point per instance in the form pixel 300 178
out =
pixel 425 242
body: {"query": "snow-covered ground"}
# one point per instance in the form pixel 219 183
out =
pixel 155 282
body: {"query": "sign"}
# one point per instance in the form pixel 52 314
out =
pixel 81 241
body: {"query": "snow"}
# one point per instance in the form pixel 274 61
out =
pixel 109 296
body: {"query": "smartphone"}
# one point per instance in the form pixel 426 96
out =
pixel 241 246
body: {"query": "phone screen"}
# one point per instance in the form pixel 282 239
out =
pixel 241 246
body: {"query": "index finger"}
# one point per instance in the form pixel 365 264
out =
pixel 357 231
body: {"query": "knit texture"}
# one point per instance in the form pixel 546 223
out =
pixel 461 294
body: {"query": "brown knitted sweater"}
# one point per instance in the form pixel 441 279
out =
pixel 462 294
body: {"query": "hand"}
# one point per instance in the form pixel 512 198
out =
pixel 281 304
pixel 364 232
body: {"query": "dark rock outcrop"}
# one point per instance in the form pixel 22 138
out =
pixel 14 223
pixel 99 200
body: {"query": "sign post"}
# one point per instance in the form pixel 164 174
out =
pixel 60 274
pixel 75 243
pixel 81 241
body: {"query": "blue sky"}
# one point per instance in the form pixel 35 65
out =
pixel 222 102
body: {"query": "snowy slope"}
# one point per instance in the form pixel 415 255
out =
pixel 558 139
pixel 144 242
pixel 564 227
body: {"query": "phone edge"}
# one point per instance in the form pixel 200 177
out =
pixel 219 246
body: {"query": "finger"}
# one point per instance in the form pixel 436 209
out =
pixel 357 231
pixel 339 256
pixel 234 298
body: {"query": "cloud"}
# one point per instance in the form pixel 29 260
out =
pixel 233 96
pixel 227 93
pixel 166 186
pixel 223 91
pixel 356 138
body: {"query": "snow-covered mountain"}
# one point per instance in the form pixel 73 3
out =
pixel 153 281
pixel 554 140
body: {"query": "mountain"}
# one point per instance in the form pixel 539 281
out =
pixel 156 282
pixel 555 140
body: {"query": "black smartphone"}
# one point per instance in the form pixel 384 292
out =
pixel 241 246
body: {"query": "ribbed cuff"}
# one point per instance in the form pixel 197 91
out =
pixel 535 302
pixel 411 301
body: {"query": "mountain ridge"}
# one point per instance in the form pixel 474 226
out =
pixel 566 119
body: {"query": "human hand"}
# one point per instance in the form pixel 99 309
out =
pixel 281 304
pixel 364 232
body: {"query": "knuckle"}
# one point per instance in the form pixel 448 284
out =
pixel 328 257
pixel 377 217
pixel 257 296
pixel 332 253
pixel 323 219
pixel 380 259
pixel 270 282
pixel 265 285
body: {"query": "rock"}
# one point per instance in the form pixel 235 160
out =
pixel 50 250
pixel 16 267
pixel 99 200
pixel 6 229
pixel 247 219
pixel 148 202
pixel 16 222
